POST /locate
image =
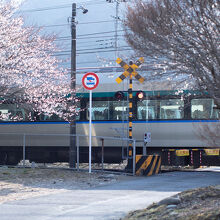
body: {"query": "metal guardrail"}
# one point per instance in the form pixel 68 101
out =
pixel 24 136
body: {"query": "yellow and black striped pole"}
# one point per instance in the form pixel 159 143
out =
pixel 130 95
pixel 130 119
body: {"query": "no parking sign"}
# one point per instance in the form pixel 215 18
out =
pixel 90 81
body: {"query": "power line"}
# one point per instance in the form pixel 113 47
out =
pixel 82 35
pixel 91 22
pixel 56 7
pixel 103 51
pixel 88 49
pixel 97 61
pixel 97 40
pixel 105 32
pixel 91 52
pixel 85 38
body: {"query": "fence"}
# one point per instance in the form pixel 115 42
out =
pixel 10 143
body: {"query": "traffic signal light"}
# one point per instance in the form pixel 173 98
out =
pixel 119 95
pixel 140 95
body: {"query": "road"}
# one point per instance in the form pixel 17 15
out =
pixel 107 202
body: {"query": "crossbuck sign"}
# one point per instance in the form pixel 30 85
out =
pixel 130 70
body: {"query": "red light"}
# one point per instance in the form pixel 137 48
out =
pixel 119 95
pixel 140 95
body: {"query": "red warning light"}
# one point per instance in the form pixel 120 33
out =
pixel 119 95
pixel 140 95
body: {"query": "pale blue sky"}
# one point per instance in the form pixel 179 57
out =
pixel 91 49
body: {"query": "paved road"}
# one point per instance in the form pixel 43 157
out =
pixel 107 202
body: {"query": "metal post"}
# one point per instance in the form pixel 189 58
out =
pixel 129 166
pixel 102 140
pixel 77 146
pixel 72 150
pixel 24 145
pixel 90 131
pixel 144 149
pixel 191 156
pixel 134 157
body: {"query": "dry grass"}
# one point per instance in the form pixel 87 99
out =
pixel 22 183
pixel 197 204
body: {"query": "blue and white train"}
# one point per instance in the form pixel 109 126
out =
pixel 176 120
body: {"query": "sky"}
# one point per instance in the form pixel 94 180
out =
pixel 95 30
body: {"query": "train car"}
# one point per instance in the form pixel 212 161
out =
pixel 175 120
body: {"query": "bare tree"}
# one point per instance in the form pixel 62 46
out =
pixel 209 133
pixel 180 38
pixel 30 74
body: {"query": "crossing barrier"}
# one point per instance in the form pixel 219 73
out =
pixel 147 165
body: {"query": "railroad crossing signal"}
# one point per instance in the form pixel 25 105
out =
pixel 130 70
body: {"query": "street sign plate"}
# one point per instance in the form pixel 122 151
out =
pixel 212 152
pixel 90 81
pixel 182 153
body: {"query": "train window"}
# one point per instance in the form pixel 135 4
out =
pixel 171 109
pixel 147 109
pixel 10 112
pixel 4 115
pixel 215 112
pixel 77 115
pixel 100 110
pixel 203 109
pixel 78 109
pixel 56 117
pixel 120 110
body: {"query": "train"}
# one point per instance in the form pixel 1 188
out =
pixel 175 119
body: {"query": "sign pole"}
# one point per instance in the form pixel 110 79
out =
pixel 90 81
pixel 90 130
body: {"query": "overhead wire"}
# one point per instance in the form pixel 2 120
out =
pixel 79 37
pixel 58 7
pixel 98 48
pixel 83 36
pixel 80 23
pixel 92 52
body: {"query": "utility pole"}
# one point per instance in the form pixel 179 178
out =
pixel 116 17
pixel 72 149
pixel 116 30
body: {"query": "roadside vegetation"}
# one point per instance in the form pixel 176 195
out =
pixel 196 204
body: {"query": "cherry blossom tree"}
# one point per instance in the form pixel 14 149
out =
pixel 180 39
pixel 30 74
